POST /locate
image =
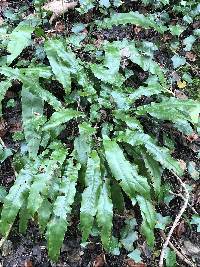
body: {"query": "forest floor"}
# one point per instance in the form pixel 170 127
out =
pixel 29 250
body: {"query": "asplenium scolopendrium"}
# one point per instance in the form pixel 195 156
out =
pixel 110 148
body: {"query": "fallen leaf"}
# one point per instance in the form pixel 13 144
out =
pixel 179 94
pixel 190 56
pixel 181 84
pixel 3 127
pixel 28 263
pixel 137 29
pixel 7 248
pixel 182 164
pixel 180 229
pixel 58 7
pixel 131 263
pixel 99 261
pixel 59 27
pixel 193 137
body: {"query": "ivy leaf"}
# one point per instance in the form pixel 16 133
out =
pixel 178 61
pixel 128 235
pixel 124 171
pixel 20 38
pixel 90 196
pixel 192 170
pixel 104 3
pixel 4 153
pixel 176 29
pixel 170 258
pixel 196 220
pixel 162 221
pixel 188 42
pixel 135 255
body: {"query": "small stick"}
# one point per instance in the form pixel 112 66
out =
pixel 178 253
pixel 185 204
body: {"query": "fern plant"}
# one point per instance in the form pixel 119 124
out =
pixel 111 149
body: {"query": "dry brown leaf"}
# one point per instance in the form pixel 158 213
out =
pixel 179 94
pixel 180 229
pixel 193 137
pixel 3 127
pixel 137 29
pixel 182 164
pixel 28 263
pixel 99 261
pixel 58 7
pixel 190 56
pixel 131 263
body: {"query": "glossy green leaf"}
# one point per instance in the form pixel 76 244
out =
pixel 131 18
pixel 90 196
pixel 123 171
pixel 20 38
pixel 61 210
pixel 60 117
pixel 105 214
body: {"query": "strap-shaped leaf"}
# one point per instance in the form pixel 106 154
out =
pixel 125 172
pixel 61 210
pixel 20 38
pixel 109 71
pixel 152 88
pixel 154 170
pixel 90 195
pixel 44 213
pixel 131 18
pixel 105 214
pixel 160 154
pixel 34 87
pixel 31 105
pixel 149 219
pixel 15 199
pixel 173 109
pixel 60 117
pixel 4 86
pixel 82 144
pixel 60 69
pixel 43 180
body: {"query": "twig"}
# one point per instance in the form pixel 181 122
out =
pixel 178 253
pixel 185 204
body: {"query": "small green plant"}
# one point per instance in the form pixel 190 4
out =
pixel 110 154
